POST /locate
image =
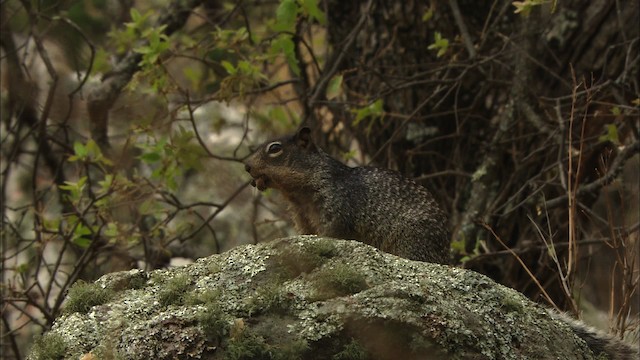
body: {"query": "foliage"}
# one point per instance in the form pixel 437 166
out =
pixel 440 44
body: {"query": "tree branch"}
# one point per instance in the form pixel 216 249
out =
pixel 614 170
pixel 466 38
pixel 336 60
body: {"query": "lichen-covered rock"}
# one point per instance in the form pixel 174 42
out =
pixel 305 297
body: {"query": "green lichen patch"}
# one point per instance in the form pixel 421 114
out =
pixel 269 297
pixel 137 281
pixel 352 351
pixel 208 296
pixel 51 346
pixel 339 279
pixel 107 351
pixel 213 322
pixel 321 247
pixel 292 262
pixel 511 302
pixel 124 280
pixel 264 338
pixel 175 290
pixel 83 296
pixel 247 346
pixel 340 346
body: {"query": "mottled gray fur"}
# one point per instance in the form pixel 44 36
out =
pixel 375 206
pixel 599 342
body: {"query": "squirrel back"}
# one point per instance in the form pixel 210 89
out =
pixel 376 206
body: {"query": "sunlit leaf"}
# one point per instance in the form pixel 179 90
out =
pixel 286 15
pixel 611 135
pixel 311 8
pixel 80 150
pixel 428 15
pixel 82 242
pixel 334 88
pixel 616 110
pixel 229 67
pixel 373 110
pixel 284 44
pixel 150 157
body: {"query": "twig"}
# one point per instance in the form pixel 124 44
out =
pixel 335 62
pixel 524 266
pixel 199 138
pixel 614 170
pixel 466 38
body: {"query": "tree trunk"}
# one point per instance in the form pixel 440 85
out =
pixel 509 117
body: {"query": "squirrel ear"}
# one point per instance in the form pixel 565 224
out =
pixel 303 138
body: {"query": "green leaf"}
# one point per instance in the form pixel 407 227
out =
pixel 286 15
pixel 83 242
pixel 229 67
pixel 106 183
pixel 111 230
pixel 428 15
pixel 22 268
pixel 285 45
pixel 93 149
pixel 611 135
pixel 80 150
pixel 82 230
pixel 135 15
pixel 373 110
pixel 524 7
pixel 150 157
pixel 147 207
pixel 310 7
pixel 194 75
pixel 616 110
pixel 278 115
pixel 440 44
pixel 74 188
pixel 334 88
pixel 79 236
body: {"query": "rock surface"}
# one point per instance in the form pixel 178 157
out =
pixel 305 297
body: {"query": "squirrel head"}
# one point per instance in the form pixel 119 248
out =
pixel 283 163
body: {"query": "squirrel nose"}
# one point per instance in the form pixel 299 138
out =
pixel 247 167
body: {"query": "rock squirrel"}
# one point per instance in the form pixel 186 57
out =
pixel 376 206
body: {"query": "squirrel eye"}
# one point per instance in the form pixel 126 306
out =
pixel 275 148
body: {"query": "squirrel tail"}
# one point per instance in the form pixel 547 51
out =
pixel 598 341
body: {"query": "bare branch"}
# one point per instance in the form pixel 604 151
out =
pixel 614 170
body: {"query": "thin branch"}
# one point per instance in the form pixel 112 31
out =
pixel 466 38
pixel 199 138
pixel 609 176
pixel 524 266
pixel 334 63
